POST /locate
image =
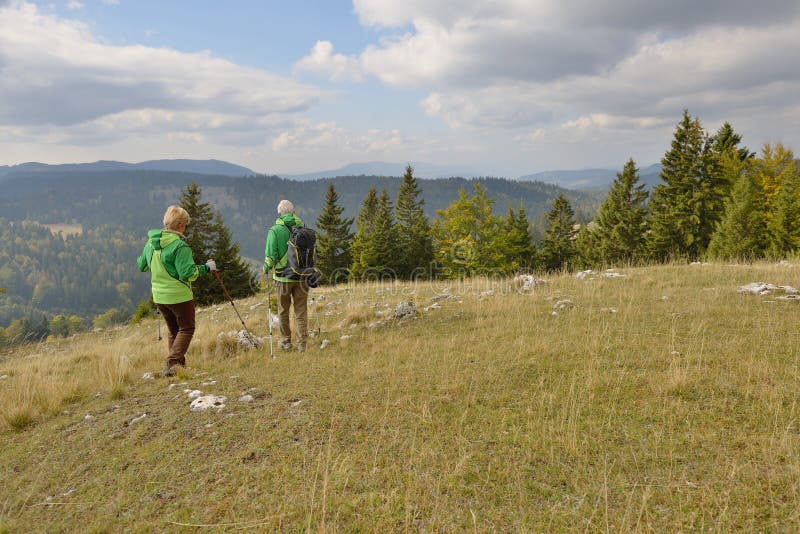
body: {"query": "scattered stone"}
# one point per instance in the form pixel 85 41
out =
pixel 208 401
pixel 4 377
pixel 345 336
pixel 440 297
pixel 789 297
pixel 172 386
pixel 208 425
pixel 674 353
pixel 564 304
pixel 324 344
pixel 208 383
pixel 434 306
pixel 487 293
pixel 88 417
pixel 137 419
pixel 68 492
pixel 762 288
pixel 612 274
pixel 242 338
pixel 554 314
pixel 584 274
pixel 246 398
pixel 405 309
pixel 525 283
pixel 608 310
pixel 664 298
pixel 373 325
pixel 195 394
pixel 295 402
pixel 148 376
pixel 254 306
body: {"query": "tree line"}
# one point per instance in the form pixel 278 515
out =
pixel 717 200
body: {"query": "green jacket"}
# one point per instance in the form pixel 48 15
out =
pixel 278 245
pixel 170 262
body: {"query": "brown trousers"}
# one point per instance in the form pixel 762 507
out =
pixel 180 323
pixel 297 293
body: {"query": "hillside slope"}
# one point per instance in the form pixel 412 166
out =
pixel 662 400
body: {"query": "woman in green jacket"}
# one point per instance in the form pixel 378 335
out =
pixel 172 271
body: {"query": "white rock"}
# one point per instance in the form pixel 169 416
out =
pixel 608 310
pixel 172 386
pixel 762 288
pixel 487 293
pixel 256 305
pixel 88 417
pixel 612 274
pixel 554 314
pixel 4 377
pixel 373 325
pixel 208 383
pixel 242 338
pixel 664 298
pixel 208 401
pixel 434 306
pixel 147 376
pixel 441 296
pixel 275 320
pixel 345 336
pixel 405 310
pixel 564 304
pixel 324 343
pixel 246 398
pixel 137 419
pixel 584 274
pixel 525 283
pixel 195 394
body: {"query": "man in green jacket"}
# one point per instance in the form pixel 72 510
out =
pixel 289 291
pixel 169 260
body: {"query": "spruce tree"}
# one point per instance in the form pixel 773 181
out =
pixel 620 223
pixel 558 250
pixel 685 208
pixel 741 232
pixel 386 239
pixel 779 169
pixel 414 233
pixel 518 248
pixel 208 237
pixel 333 240
pixel 363 252
pixel 466 236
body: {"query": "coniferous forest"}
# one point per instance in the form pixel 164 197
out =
pixel 716 200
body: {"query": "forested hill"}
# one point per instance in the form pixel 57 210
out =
pixel 135 200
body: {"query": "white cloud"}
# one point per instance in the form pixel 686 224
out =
pixel 323 61
pixel 328 136
pixel 57 76
pixel 74 5
pixel 568 71
pixel 111 2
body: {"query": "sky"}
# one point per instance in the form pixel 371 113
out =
pixel 511 87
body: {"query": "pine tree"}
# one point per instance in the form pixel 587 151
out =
pixel 416 247
pixel 519 249
pixel 386 239
pixel 620 222
pixel 778 176
pixel 238 277
pixel 685 209
pixel 208 237
pixel 363 252
pixel 333 240
pixel 726 141
pixel 557 250
pixel 466 236
pixel 741 232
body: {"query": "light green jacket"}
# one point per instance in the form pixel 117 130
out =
pixel 170 262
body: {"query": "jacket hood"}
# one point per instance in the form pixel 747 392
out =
pixel 160 239
pixel 289 220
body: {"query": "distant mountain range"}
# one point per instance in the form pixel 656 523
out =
pixel 210 166
pixel 591 178
pixel 588 179
pixel 427 171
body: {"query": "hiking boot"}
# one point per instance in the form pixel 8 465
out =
pixel 301 347
pixel 285 345
pixel 169 371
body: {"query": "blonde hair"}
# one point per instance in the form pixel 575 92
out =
pixel 284 207
pixel 175 216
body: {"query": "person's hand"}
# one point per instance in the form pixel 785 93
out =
pixel 212 265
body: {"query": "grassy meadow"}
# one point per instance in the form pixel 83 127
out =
pixel 662 401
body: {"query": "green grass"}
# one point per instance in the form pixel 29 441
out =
pixel 487 414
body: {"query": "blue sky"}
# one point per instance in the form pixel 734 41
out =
pixel 505 87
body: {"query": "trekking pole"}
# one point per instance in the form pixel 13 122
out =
pixel 158 322
pixel 216 274
pixel 269 312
